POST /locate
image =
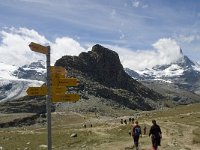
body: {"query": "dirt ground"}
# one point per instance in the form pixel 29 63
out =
pixel 174 137
pixel 107 133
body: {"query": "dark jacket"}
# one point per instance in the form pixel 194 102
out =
pixel 155 130
pixel 138 128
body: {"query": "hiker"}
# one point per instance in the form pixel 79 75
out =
pixel 129 132
pixel 145 129
pixel 132 119
pixel 129 120
pixel 136 132
pixel 125 121
pixel 122 121
pixel 156 135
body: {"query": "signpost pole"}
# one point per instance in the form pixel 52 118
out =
pixel 60 81
pixel 48 100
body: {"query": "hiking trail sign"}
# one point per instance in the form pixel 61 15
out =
pixel 65 97
pixel 41 91
pixel 65 82
pixel 56 91
pixel 38 48
pixel 37 91
pixel 58 70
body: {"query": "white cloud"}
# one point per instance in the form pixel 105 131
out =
pixel 165 51
pixel 168 50
pixel 65 46
pixel 188 38
pixel 14 49
pixel 136 3
pixel 139 4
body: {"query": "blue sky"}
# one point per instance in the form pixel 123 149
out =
pixel 123 25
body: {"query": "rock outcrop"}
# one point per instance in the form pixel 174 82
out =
pixel 101 74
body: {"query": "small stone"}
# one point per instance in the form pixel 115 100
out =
pixel 43 146
pixel 83 146
pixel 73 135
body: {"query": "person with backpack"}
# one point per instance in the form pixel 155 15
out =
pixel 136 132
pixel 156 135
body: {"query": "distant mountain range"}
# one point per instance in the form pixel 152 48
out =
pixel 105 83
pixel 184 73
pixel 14 80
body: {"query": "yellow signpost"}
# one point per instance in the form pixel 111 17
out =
pixel 65 98
pixel 38 48
pixel 65 82
pixel 36 91
pixel 58 89
pixel 57 76
pixel 58 70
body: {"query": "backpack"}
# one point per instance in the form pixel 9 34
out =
pixel 137 131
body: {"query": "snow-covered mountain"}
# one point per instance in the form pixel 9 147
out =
pixel 184 73
pixel 14 80
pixel 33 71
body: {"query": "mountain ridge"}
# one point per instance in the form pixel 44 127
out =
pixel 15 81
pixel 104 83
pixel 183 74
pixel 100 72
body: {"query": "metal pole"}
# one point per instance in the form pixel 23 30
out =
pixel 48 100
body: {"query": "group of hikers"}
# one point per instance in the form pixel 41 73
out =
pixel 154 132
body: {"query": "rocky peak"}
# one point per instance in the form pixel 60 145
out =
pixel 100 58
pixel 103 65
pixel 181 52
pixel 185 62
pixel 106 54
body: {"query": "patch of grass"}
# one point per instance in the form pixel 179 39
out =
pixel 21 139
pixel 104 131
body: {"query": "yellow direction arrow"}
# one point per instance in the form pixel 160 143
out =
pixel 57 75
pixel 65 98
pixel 36 91
pixel 58 90
pixel 38 48
pixel 58 69
pixel 65 82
